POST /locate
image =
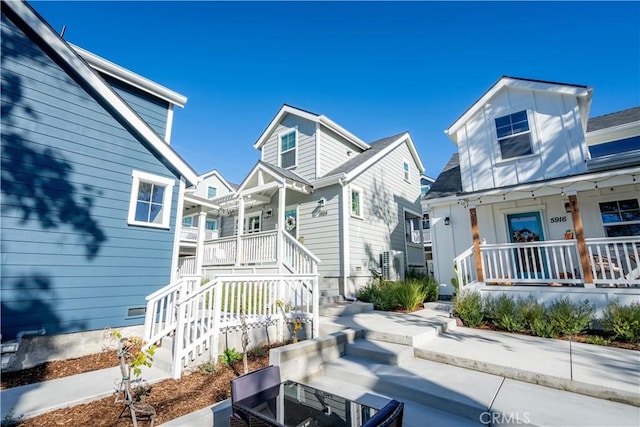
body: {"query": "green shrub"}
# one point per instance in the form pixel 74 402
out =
pixel 531 311
pixel 410 294
pixel 543 328
pixel 468 307
pixel 414 274
pixel 597 340
pixel 229 356
pixel 208 367
pixel 623 321
pixel 431 288
pixel 381 295
pixel 568 318
pixel 504 312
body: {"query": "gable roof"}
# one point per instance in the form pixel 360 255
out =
pixel 276 172
pixel 583 93
pixel 218 175
pixel 26 18
pixel 614 119
pixel 316 118
pixel 449 182
pixel 378 149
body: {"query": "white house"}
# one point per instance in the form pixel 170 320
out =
pixel 539 194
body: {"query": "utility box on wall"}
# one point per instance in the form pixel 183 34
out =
pixel 392 265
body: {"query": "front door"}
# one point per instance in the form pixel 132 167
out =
pixel 525 228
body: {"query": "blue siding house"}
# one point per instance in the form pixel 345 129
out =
pixel 91 189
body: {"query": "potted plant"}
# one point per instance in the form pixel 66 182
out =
pixel 568 235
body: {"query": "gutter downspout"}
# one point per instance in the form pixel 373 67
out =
pixel 345 234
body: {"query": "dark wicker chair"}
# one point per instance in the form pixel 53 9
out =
pixel 389 416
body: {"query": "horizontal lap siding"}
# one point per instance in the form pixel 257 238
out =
pixel 386 193
pixel 334 151
pixel 70 261
pixel 306 160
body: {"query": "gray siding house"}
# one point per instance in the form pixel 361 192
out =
pixel 91 189
pixel 352 206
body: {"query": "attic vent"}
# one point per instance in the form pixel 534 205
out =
pixel 136 311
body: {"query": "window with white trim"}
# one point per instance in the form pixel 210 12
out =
pixel 150 202
pixel 407 171
pixel 621 218
pixel 211 224
pixel 212 192
pixel 252 222
pixel 514 135
pixel 288 149
pixel 187 221
pixel 356 202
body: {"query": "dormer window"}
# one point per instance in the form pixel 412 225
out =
pixel 288 150
pixel 514 135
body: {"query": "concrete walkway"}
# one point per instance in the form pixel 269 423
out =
pixel 601 372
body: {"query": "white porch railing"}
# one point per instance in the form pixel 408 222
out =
pixel 220 251
pixel 297 258
pixel 190 234
pixel 259 248
pixel 197 315
pixel 613 262
pixel 186 266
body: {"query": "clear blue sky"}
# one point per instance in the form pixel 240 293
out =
pixel 375 68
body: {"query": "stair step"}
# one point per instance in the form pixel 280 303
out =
pixel 415 414
pixel 380 351
pixel 345 308
pixel 458 391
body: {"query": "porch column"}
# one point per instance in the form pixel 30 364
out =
pixel 202 222
pixel 475 233
pixel 282 191
pixel 582 246
pixel 240 230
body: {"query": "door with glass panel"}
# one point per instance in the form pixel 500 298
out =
pixel 525 228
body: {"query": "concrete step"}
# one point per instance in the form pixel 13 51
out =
pixel 163 357
pixel 415 414
pixel 345 308
pixel 380 351
pixel 464 393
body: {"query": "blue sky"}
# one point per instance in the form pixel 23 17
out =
pixel 375 68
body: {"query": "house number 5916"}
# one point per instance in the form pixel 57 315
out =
pixel 558 219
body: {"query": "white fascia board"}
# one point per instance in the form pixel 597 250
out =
pixel 90 77
pixel 577 91
pixel 129 77
pixel 200 202
pixel 414 153
pixel 258 168
pixel 627 130
pixel 219 176
pixel 285 109
pixel 324 120
pixel 404 137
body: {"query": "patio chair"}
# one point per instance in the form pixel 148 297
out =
pixel 255 389
pixel 389 416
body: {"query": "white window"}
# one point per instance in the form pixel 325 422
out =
pixel 150 202
pixel 621 218
pixel 407 171
pixel 514 135
pixel 252 222
pixel 212 192
pixel 211 224
pixel 187 221
pixel 356 202
pixel 288 149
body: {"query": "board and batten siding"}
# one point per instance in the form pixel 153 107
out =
pixel 70 261
pixel 305 146
pixel 385 193
pixel 557 139
pixel 153 110
pixel 334 151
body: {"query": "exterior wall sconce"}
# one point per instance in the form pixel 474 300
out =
pixel 268 213
pixel 321 202
pixel 567 207
pixel 447 220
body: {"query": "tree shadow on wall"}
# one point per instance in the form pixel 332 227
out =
pixel 37 195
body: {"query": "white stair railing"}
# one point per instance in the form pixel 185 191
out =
pixel 465 268
pixel 219 305
pixel 160 315
pixel 297 258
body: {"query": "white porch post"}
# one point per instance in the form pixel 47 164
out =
pixel 202 221
pixel 282 191
pixel 240 230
